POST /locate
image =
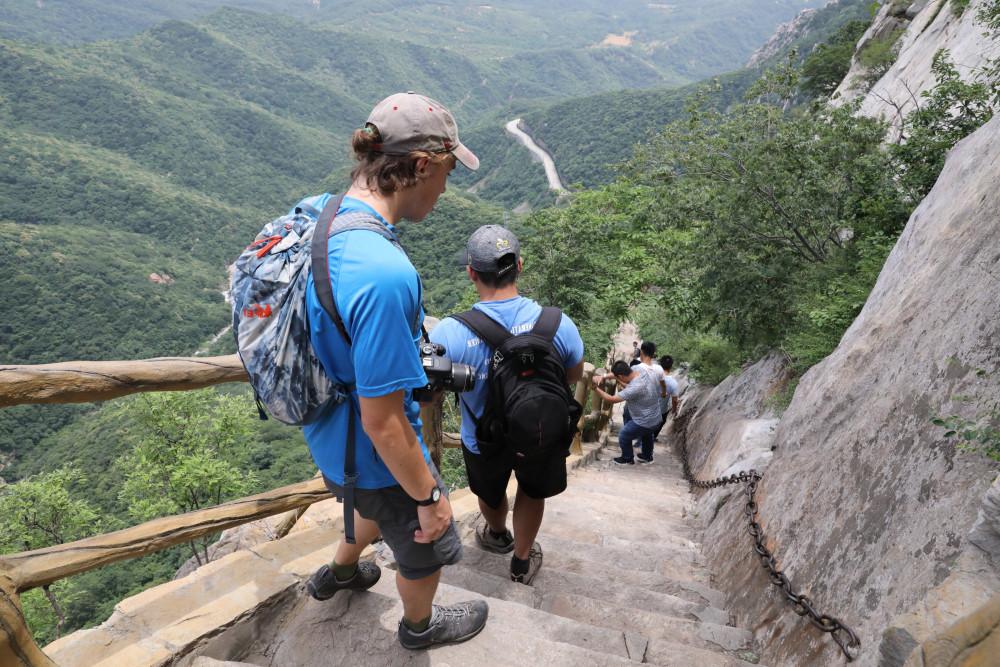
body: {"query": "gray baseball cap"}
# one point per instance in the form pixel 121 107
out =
pixel 488 245
pixel 410 122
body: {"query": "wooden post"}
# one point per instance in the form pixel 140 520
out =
pixel 17 647
pixel 605 408
pixel 582 389
pixel 432 416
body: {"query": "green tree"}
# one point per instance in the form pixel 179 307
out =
pixel 828 64
pixel 38 512
pixel 190 451
pixel 768 192
pixel 950 111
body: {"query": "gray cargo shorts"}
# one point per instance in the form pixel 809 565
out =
pixel 396 515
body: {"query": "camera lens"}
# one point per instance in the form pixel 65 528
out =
pixel 463 377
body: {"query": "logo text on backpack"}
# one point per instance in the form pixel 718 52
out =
pixel 257 310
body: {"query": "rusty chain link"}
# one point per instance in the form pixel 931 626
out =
pixel 801 604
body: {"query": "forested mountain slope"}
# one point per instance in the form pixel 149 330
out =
pixel 588 136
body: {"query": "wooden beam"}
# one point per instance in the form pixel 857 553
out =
pixel 17 647
pixel 31 569
pixel 88 381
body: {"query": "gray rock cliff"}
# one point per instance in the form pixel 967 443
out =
pixel 868 507
pixel 929 25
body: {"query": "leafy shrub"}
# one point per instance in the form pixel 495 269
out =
pixel 949 112
pixel 979 433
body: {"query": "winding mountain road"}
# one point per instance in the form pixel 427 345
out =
pixel 514 128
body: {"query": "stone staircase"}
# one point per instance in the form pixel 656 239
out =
pixel 622 583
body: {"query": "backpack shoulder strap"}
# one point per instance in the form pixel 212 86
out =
pixel 547 323
pixel 484 326
pixel 321 264
pixel 330 225
pixel 359 220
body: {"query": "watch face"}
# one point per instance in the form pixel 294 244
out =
pixel 436 494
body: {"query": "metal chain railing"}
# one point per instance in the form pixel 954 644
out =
pixel 801 604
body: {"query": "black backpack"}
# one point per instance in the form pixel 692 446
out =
pixel 530 413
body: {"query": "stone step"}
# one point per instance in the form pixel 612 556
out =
pixel 360 629
pixel 597 528
pixel 615 501
pixel 552 583
pixel 582 508
pixel 593 525
pixel 637 481
pixel 553 568
pixel 699 634
pixel 660 470
pixel 635 487
pixel 490 584
pixel 640 557
pixel 671 654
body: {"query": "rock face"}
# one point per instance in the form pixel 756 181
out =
pixel 784 34
pixel 868 507
pixel 929 25
pixel 733 423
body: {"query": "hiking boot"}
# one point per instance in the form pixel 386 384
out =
pixel 449 625
pixel 534 564
pixel 487 541
pixel 323 584
pixel 640 459
pixel 622 461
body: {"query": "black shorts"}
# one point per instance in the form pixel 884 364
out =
pixel 488 477
pixel 396 515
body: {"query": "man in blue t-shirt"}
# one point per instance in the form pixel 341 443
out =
pixel 405 152
pixel 493 265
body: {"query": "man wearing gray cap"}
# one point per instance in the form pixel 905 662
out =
pixel 493 265
pixel 369 447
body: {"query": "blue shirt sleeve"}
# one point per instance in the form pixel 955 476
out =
pixel 381 322
pixel 568 343
pixel 447 333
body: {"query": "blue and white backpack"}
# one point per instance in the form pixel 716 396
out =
pixel 271 323
pixel 269 308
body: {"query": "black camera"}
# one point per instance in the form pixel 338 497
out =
pixel 442 375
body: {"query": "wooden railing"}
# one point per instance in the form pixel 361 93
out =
pixel 88 381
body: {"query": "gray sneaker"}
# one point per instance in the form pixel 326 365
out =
pixel 487 541
pixel 534 565
pixel 323 584
pixel 449 625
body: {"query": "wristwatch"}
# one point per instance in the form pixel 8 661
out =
pixel 435 496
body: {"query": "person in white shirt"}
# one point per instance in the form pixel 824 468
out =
pixel 669 403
